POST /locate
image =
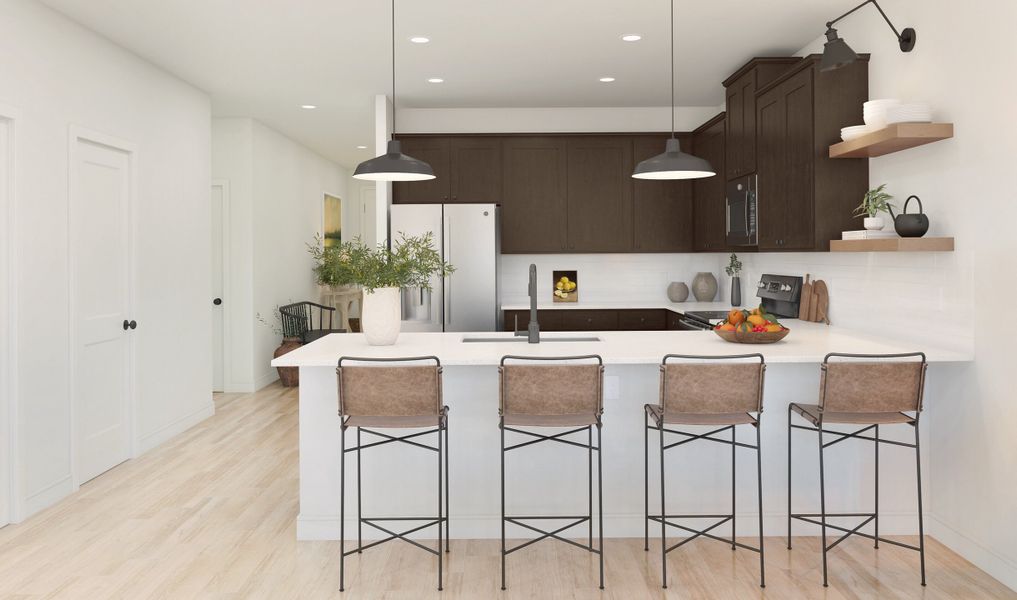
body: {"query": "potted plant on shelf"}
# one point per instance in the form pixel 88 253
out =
pixel 874 202
pixel 734 270
pixel 381 272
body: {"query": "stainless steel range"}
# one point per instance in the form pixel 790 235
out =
pixel 780 295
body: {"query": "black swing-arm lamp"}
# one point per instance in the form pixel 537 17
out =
pixel 836 52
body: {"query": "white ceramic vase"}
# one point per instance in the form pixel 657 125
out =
pixel 380 317
pixel 874 223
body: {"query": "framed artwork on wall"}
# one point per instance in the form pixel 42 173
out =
pixel 332 221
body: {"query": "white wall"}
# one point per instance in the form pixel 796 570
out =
pixel 277 187
pixel 59 74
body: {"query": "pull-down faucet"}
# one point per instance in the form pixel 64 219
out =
pixel 532 332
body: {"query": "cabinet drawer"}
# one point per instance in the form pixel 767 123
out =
pixel 641 320
pixel 589 320
pixel 550 320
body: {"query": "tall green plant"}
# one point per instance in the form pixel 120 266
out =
pixel 411 262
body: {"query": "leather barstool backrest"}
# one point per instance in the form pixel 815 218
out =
pixel 712 384
pixel 558 386
pixel 387 390
pixel 872 383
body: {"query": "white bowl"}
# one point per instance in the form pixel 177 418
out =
pixel 849 133
pixel 874 111
pixel 909 113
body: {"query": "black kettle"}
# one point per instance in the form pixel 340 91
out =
pixel 911 225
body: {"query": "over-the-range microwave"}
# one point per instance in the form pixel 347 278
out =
pixel 741 211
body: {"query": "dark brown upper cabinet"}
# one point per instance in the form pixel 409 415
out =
pixel 533 213
pixel 710 207
pixel 661 210
pixel 467 169
pixel 599 194
pixel 740 97
pixel 805 198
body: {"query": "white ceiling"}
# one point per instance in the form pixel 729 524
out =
pixel 266 58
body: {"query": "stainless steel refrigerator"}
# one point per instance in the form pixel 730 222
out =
pixel 467 235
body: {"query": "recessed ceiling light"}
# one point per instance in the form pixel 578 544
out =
pixel 361 147
pixel 631 37
pixel 308 106
pixel 436 80
pixel 419 39
pixel 606 79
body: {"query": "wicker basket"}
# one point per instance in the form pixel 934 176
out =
pixel 748 337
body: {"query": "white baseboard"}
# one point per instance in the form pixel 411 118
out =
pixel 326 527
pixel 985 558
pixel 47 496
pixel 164 433
pixel 266 380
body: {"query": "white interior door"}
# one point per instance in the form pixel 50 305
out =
pixel 6 151
pixel 219 204
pixel 368 218
pixel 100 245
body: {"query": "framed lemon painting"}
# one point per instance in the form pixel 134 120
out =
pixel 565 286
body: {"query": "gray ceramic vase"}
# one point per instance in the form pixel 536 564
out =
pixel 736 291
pixel 704 286
pixel 677 291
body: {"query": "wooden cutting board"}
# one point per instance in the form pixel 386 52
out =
pixel 806 299
pixel 820 301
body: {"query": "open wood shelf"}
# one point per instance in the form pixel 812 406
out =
pixel 893 138
pixel 930 244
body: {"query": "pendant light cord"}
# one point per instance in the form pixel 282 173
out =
pixel 672 69
pixel 393 71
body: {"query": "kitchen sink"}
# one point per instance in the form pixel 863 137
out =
pixel 499 340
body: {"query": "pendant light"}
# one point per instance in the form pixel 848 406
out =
pixel 673 163
pixel 394 165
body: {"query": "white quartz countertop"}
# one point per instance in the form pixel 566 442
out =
pixel 681 307
pixel 807 343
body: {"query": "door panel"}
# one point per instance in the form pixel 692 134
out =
pixel 599 194
pixel 100 196
pixel 6 151
pixel 471 290
pixel 798 216
pixel 661 210
pixel 435 152
pixel 218 265
pixel 533 207
pixel 476 170
pixel 772 168
pixel 710 212
pixel 421 308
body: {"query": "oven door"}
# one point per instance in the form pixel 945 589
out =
pixel 741 211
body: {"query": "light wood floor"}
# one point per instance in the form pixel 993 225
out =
pixel 211 514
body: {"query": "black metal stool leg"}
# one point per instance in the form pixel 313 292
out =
pixel 875 510
pixel 360 516
pixel 663 512
pixel 759 494
pixel 646 480
pixel 342 506
pixel 921 519
pixel 822 501
pixel 502 426
pixel 734 456
pixel 448 515
pixel 441 457
pixel 600 502
pixel 789 477
pixel 589 450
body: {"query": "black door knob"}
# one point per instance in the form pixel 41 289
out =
pixel 217 301
pixel 130 324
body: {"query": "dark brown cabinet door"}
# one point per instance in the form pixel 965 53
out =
pixel 735 106
pixel 771 190
pixel 589 320
pixel 476 170
pixel 661 210
pixel 433 150
pixel 599 194
pixel 711 212
pixel 799 201
pixel 533 202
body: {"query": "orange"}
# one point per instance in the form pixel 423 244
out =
pixel 756 311
pixel 727 327
pixel 757 320
pixel 773 328
pixel 735 317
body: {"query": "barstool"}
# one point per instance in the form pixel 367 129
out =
pixel 866 390
pixel 560 396
pixel 713 391
pixel 392 397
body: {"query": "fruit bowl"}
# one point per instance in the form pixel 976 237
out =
pixel 749 337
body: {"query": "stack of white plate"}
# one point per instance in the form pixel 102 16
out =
pixel 875 111
pixel 914 112
pixel 849 133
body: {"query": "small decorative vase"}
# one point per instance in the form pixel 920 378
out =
pixel 736 291
pixel 677 291
pixel 704 286
pixel 874 223
pixel 290 376
pixel 380 318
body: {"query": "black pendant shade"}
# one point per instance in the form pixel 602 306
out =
pixel 394 166
pixel 836 52
pixel 673 164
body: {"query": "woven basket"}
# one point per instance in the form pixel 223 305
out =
pixel 748 337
